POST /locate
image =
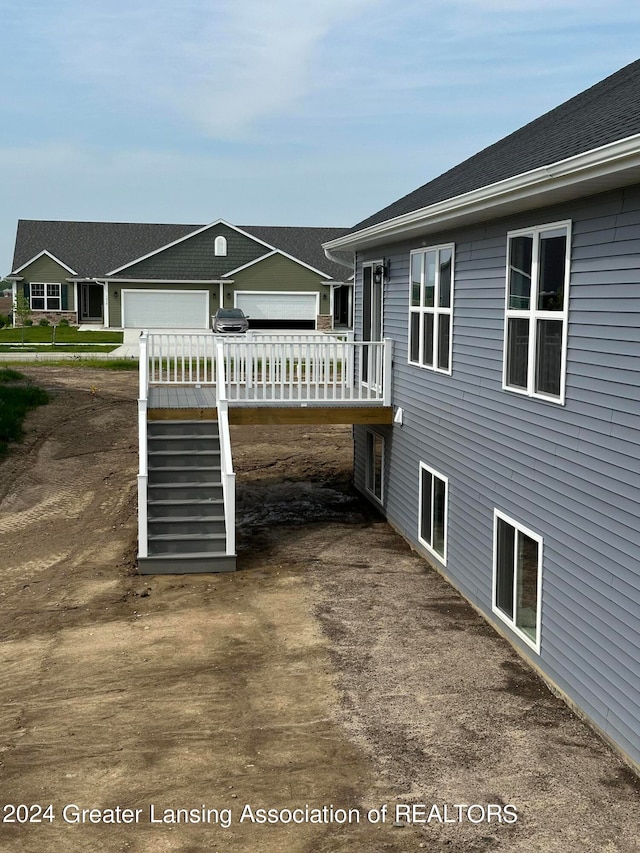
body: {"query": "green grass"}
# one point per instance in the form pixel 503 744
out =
pixel 93 363
pixel 15 402
pixel 64 335
pixel 18 348
pixel 9 375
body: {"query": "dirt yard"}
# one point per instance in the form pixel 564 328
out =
pixel 334 670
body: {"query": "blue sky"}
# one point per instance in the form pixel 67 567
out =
pixel 286 112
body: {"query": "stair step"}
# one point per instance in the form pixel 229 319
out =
pixel 180 564
pixel 203 525
pixel 183 458
pixel 178 543
pixel 167 428
pixel 184 443
pixel 187 491
pixel 193 508
pixel 210 474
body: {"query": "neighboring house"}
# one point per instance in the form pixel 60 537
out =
pixel 510 286
pixel 132 275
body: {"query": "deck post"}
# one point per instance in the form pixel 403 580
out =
pixel 142 446
pixel 387 371
pixel 226 461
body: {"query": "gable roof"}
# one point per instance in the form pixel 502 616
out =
pixel 96 248
pixel 607 112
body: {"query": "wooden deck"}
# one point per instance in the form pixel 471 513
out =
pixel 184 402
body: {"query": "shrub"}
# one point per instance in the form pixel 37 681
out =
pixel 63 322
pixel 4 321
pixel 28 322
pixel 15 402
pixel 43 322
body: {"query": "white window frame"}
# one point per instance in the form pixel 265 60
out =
pixel 442 558
pixel 45 295
pixel 220 246
pixel 519 528
pixel 436 310
pixel 370 460
pixel 533 313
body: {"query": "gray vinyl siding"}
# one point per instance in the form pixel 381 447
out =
pixel 570 473
pixel 45 269
pixel 195 258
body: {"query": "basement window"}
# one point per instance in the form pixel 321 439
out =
pixel 517 577
pixel 374 465
pixel 432 511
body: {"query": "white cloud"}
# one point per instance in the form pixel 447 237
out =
pixel 224 64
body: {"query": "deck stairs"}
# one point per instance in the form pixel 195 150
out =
pixel 186 527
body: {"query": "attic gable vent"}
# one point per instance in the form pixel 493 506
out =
pixel 220 245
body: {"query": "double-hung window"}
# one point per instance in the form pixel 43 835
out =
pixel 517 577
pixel 374 465
pixel 432 511
pixel 431 308
pixel 536 311
pixel 45 297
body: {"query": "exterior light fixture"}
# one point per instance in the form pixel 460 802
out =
pixel 381 272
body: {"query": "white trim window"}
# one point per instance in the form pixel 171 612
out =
pixel 431 308
pixel 45 296
pixel 433 505
pixel 374 465
pixel 220 246
pixel 537 307
pixel 517 578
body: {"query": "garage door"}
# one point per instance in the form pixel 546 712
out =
pixel 165 309
pixel 278 306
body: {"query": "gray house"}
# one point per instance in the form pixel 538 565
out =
pixel 131 275
pixel 510 286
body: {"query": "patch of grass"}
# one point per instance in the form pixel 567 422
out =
pixel 93 363
pixel 64 335
pixel 7 374
pixel 15 402
pixel 58 348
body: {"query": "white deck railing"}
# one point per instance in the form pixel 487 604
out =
pixel 185 359
pixel 143 472
pixel 316 368
pixel 226 461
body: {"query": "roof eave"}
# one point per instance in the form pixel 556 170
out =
pixel 594 171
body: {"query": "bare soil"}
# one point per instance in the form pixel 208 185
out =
pixel 334 667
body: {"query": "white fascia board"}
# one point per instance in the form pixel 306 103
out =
pixel 106 279
pixel 53 258
pixel 599 163
pixel 188 237
pixel 284 255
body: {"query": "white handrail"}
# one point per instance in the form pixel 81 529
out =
pixel 226 461
pixel 143 473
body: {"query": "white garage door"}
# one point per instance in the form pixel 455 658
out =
pixel 278 306
pixel 165 309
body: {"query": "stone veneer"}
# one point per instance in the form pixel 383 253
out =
pixel 53 317
pixel 324 322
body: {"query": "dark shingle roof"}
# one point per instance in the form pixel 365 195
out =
pixel 607 112
pixel 304 244
pixel 96 248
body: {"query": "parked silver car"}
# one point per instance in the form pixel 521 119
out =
pixel 230 320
